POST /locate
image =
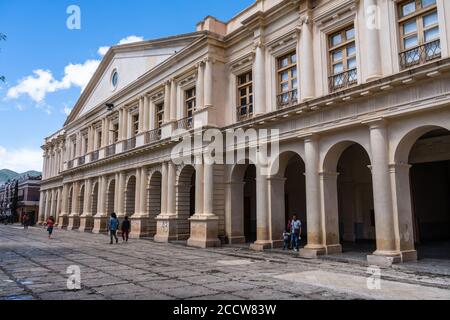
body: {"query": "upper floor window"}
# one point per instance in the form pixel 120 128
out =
pixel 245 96
pixel 159 115
pixel 99 139
pixel 287 79
pixel 85 144
pixel 342 59
pixel 419 31
pixel 135 124
pixel 115 132
pixel 190 104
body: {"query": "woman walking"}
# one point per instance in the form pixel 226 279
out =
pixel 50 223
pixel 113 225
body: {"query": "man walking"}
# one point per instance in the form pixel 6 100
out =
pixel 113 225
pixel 296 231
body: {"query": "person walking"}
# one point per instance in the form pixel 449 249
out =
pixel 25 221
pixel 287 239
pixel 296 231
pixel 50 224
pixel 126 227
pixel 113 225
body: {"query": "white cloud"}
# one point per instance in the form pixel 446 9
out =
pixel 42 82
pixel 20 160
pixel 130 39
pixel 66 110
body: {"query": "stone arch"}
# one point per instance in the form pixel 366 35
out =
pixel 69 199
pixel 185 199
pixel 154 199
pixel 347 196
pixel 81 200
pixel 287 193
pixel 94 197
pixel 130 195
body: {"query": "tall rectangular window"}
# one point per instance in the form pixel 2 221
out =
pixel 99 139
pixel 245 96
pixel 159 115
pixel 287 79
pixel 342 57
pixel 135 123
pixel 85 144
pixel 419 32
pixel 190 103
pixel 115 132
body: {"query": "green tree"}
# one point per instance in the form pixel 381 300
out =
pixel 2 38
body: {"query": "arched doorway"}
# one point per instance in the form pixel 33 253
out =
pixel 130 196
pixel 429 158
pixel 243 204
pixel 81 201
pixel 348 199
pixel 154 201
pixel 94 202
pixel 185 201
pixel 110 196
pixel 69 199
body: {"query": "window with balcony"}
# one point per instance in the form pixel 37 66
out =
pixel 419 31
pixel 85 144
pixel 159 115
pixel 190 106
pixel 245 96
pixel 287 79
pixel 135 123
pixel 99 140
pixel 115 132
pixel 342 56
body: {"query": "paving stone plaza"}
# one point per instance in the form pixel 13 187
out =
pixel 32 267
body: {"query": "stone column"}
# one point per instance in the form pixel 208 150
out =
pixel 41 217
pixel 116 193
pixel 387 251
pixel 200 86
pixel 372 49
pixel 101 218
pixel 315 245
pixel 141 115
pixel 121 198
pixel 166 222
pixel 205 225
pixel 167 102
pixel 140 220
pixel 400 180
pixel 199 187
pixel 234 222
pixel 74 218
pixel 208 83
pixel 58 206
pixel 259 76
pixel 306 72
pixel 262 213
pixel 173 100
pixel 277 211
pixel 86 219
pixel 63 218
pixel 137 195
pixel 330 212
pixel 52 205
pixel 152 117
pixel 145 120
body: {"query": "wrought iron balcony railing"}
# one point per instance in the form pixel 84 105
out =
pixel 81 160
pixel 153 136
pixel 110 150
pixel 420 54
pixel 287 98
pixel 244 112
pixel 343 80
pixel 94 155
pixel 186 123
pixel 130 144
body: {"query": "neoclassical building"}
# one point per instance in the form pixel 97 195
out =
pixel 359 91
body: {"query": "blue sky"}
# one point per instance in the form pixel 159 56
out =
pixel 46 64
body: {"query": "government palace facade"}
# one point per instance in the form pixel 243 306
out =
pixel 358 92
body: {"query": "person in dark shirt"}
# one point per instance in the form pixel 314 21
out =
pixel 126 227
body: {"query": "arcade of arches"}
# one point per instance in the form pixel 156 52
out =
pixel 387 192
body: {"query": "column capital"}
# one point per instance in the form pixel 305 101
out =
pixel 394 167
pixel 328 175
pixel 376 123
pixel 310 137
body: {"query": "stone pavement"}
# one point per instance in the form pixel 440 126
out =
pixel 34 267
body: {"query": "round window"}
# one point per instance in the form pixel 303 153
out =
pixel 115 79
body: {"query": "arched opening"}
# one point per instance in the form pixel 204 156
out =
pixel 110 198
pixel 242 204
pixel 355 200
pixel 154 201
pixel 185 203
pixel 69 200
pixel 429 158
pixel 130 196
pixel 81 201
pixel 57 206
pixel 94 202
